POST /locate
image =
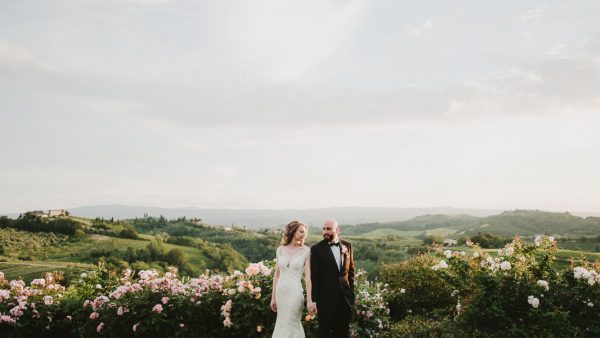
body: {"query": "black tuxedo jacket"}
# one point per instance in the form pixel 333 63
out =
pixel 331 285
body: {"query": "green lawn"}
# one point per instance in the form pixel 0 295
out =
pixel 35 269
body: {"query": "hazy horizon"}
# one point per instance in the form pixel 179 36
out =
pixel 296 105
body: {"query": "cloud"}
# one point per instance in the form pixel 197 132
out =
pixel 283 41
pixel 560 86
pixel 556 49
pixel 420 30
pixel 13 57
pixel 534 16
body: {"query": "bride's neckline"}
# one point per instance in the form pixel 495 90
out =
pixel 292 252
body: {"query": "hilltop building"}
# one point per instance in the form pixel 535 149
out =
pixel 57 212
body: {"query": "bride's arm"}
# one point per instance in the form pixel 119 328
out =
pixel 275 280
pixel 307 280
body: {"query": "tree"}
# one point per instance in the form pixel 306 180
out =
pixel 176 257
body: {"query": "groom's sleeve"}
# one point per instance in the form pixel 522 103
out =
pixel 315 274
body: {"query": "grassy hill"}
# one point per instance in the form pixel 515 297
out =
pixel 194 246
pixel 533 222
pixel 506 224
pixel 418 225
pixel 24 252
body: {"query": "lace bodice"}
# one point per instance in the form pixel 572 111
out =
pixel 291 264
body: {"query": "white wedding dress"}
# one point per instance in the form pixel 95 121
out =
pixel 289 294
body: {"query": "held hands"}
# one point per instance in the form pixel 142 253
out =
pixel 273 305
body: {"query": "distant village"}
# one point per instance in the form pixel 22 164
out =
pixel 52 213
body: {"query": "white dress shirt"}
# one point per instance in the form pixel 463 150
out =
pixel 336 254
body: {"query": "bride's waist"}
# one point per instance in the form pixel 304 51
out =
pixel 290 277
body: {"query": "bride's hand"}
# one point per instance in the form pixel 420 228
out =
pixel 273 305
pixel 311 307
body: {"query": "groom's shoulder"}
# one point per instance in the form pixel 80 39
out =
pixel 319 244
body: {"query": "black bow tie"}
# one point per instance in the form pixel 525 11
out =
pixel 334 243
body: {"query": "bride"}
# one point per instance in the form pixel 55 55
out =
pixel 293 258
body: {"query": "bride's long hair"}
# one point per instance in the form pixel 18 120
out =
pixel 290 231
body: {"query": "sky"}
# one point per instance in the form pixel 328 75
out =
pixel 300 104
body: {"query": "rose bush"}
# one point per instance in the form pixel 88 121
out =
pixel 515 293
pixel 150 304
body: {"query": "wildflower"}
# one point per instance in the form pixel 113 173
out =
pixel 165 300
pixel 590 304
pixel 402 290
pixel 100 327
pixel 543 284
pixel 448 253
pixel 98 286
pixel 94 315
pixel 475 254
pixel 259 329
pixel 48 300
pixel 135 326
pixel 442 264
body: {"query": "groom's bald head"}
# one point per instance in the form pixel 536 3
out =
pixel 330 230
pixel 331 223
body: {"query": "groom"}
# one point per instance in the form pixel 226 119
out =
pixel 332 277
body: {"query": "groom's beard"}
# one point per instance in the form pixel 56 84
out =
pixel 328 237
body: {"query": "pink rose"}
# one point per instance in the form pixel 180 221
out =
pixel 157 308
pixel 94 315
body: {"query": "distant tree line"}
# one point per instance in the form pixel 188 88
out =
pixel 30 221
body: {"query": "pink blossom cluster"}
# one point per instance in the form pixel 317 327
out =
pixel 256 268
pixel 22 300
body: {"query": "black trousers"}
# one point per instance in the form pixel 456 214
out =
pixel 338 326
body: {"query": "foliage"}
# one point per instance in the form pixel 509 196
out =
pixel 17 243
pixel 148 304
pixel 517 293
pixel 371 317
pixel 32 222
pixel 486 240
